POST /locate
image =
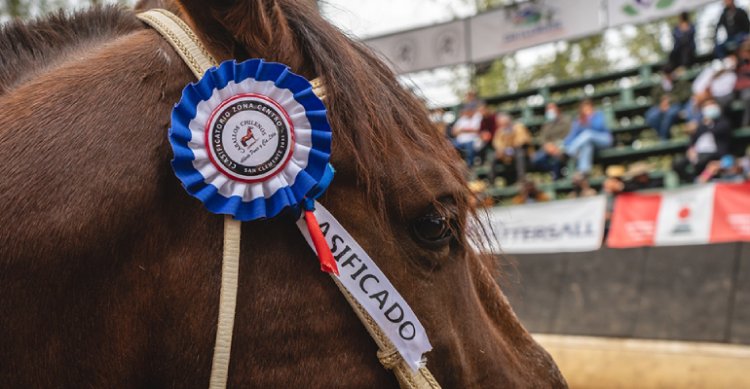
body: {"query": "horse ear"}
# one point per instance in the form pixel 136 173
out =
pixel 244 29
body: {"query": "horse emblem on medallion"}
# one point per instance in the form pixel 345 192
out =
pixel 248 137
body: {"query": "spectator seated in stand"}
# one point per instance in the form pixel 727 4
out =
pixel 727 169
pixel 736 25
pixel 486 130
pixel 717 81
pixel 683 51
pixel 588 133
pixel 509 142
pixel 635 178
pixel 670 97
pixel 581 187
pixel 742 86
pixel 529 194
pixel 709 141
pixel 550 156
pixel 466 132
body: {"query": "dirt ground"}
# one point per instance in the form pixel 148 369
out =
pixel 589 362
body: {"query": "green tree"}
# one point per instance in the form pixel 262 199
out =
pixel 15 8
pixel 645 46
pixel 572 59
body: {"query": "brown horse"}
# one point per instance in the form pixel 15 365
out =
pixel 109 270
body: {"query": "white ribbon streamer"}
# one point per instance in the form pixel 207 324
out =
pixel 371 288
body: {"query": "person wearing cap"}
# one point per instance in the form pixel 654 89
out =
pixel 708 142
pixel 670 96
pixel 588 133
pixel 550 155
pixel 466 132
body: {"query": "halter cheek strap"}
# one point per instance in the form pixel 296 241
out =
pixel 199 60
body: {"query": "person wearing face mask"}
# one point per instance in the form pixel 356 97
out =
pixel 736 25
pixel 550 155
pixel 709 142
pixel 588 133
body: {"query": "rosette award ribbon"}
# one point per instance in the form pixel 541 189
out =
pixel 252 140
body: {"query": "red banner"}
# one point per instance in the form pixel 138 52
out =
pixel 695 215
pixel 731 213
pixel 633 221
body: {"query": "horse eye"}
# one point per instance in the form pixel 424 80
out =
pixel 432 230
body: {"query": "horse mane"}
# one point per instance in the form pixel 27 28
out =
pixel 28 48
pixel 371 111
pixel 364 94
pixel 373 114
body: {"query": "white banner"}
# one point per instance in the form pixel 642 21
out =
pixel 361 276
pixel 640 11
pixel 558 226
pixel 532 23
pixel 426 48
pixel 685 216
pixel 518 26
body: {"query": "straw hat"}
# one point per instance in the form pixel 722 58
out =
pixel 615 171
pixel 637 169
pixel 477 186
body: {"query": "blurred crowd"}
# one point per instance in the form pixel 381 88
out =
pixel 567 143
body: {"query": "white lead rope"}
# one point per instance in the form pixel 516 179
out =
pixel 182 38
pixel 409 375
pixel 230 270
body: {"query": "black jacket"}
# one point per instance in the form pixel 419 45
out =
pixel 722 131
pixel 735 24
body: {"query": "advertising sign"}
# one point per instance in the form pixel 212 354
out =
pixel 532 23
pixel 426 48
pixel 559 226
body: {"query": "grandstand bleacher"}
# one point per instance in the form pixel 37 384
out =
pixel 624 97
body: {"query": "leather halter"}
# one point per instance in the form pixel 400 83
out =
pixel 199 60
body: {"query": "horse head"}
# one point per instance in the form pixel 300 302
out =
pixel 110 271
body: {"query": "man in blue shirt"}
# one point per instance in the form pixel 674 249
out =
pixel 588 133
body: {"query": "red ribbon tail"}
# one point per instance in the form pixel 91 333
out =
pixel 325 256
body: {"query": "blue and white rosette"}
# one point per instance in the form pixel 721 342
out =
pixel 251 139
